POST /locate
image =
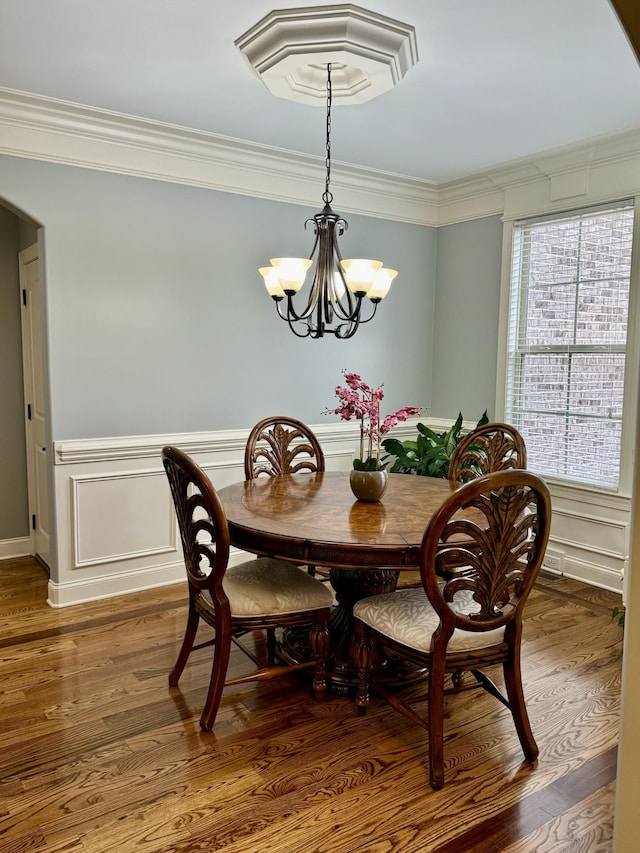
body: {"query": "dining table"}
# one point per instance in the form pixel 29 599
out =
pixel 313 519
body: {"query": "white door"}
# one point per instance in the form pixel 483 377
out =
pixel 38 461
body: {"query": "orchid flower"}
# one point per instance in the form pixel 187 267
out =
pixel 361 402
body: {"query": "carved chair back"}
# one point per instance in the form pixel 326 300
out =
pixel 492 556
pixel 281 445
pixel 485 450
pixel 203 526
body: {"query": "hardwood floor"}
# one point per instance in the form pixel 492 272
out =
pixel 98 755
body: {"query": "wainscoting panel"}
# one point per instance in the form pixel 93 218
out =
pixel 116 530
pixel 591 532
pixel 116 527
pixel 120 516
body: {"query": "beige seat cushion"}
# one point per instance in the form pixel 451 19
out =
pixel 407 617
pixel 267 587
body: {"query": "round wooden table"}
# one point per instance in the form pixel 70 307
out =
pixel 314 519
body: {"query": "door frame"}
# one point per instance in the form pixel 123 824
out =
pixel 34 369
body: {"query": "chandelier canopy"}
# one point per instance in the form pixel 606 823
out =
pixel 335 303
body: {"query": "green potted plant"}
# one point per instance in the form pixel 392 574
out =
pixel 429 455
pixel 617 615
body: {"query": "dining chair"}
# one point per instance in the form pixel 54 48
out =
pixel 233 600
pixel 486 449
pixel 281 445
pixel 471 621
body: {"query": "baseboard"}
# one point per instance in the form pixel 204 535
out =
pixel 10 548
pixel 108 586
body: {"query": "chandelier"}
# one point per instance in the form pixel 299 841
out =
pixel 335 302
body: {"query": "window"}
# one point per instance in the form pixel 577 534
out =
pixel 567 340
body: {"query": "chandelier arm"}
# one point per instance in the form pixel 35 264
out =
pixel 353 301
pixel 290 320
pixel 292 314
pixel 351 330
pixel 356 321
pixel 374 308
pixel 306 334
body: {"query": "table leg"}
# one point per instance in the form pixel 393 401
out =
pixel 350 585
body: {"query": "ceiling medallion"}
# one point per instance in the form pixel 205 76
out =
pixel 289 50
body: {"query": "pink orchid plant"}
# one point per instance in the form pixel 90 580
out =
pixel 358 400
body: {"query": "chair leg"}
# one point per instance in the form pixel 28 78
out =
pixel 436 722
pixel 191 630
pixel 364 652
pixel 319 639
pixel 513 685
pixel 272 645
pixel 458 678
pixel 221 654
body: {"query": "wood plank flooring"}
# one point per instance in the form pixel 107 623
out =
pixel 97 754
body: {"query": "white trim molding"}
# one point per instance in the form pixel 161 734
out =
pixel 62 132
pixel 116 531
pixel 58 131
pixel 10 548
pixel 115 523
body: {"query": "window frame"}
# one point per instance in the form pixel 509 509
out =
pixel 630 415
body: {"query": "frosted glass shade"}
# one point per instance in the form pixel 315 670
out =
pixel 338 285
pixel 382 283
pixel 291 272
pixel 360 273
pixel 271 281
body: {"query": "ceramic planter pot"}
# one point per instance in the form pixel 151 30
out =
pixel 369 485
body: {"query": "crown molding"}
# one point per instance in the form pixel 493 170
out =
pixel 596 170
pixel 57 131
pixel 62 132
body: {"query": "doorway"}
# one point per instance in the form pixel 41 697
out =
pixel 25 494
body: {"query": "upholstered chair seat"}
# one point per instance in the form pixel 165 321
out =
pixel 407 617
pixel 268 587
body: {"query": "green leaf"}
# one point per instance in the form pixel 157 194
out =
pixel 429 433
pixel 617 615
pixel 393 446
pixel 370 464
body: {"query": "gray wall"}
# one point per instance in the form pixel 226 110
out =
pixel 467 305
pixel 13 466
pixel 158 319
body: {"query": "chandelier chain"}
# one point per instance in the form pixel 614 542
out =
pixel 327 196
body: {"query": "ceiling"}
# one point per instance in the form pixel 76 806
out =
pixel 496 80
